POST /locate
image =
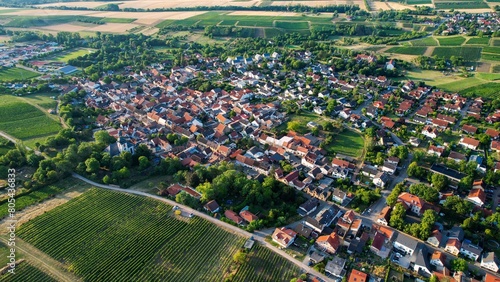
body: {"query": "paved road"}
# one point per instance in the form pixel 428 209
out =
pixel 222 224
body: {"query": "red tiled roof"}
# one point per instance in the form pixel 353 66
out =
pixel 358 276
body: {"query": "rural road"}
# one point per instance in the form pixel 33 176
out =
pixel 222 224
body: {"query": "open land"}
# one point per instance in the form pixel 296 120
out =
pixel 94 241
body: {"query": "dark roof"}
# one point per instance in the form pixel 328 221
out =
pixel 212 206
pixel 468 246
pixel 448 172
pixel 491 257
pixel 407 241
pixel 456 232
pixel 423 259
pixel 307 206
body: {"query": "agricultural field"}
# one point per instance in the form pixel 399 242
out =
pixel 43 100
pixel 468 53
pixel 451 41
pixel 26 272
pixel 159 245
pixel 428 41
pixel 495 42
pixel 486 90
pixel 493 50
pixel 461 5
pixel 292 25
pixel 478 41
pixel 5 146
pixel 407 50
pixel 348 143
pixel 13 74
pixel 490 57
pixel 25 121
pixel 264 265
pixel 418 2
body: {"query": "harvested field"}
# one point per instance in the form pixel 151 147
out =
pixel 66 27
pixel 318 3
pixel 376 5
pixel 267 13
pixel 31 12
pixel 113 27
pixel 90 5
pixel 152 4
pixel 148 15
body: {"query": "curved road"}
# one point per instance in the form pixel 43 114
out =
pixel 222 224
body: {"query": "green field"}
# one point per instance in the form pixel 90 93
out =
pixel 158 245
pixel 461 5
pixel 23 120
pixel 407 50
pixel 71 54
pixel 292 25
pixel 302 119
pixel 461 84
pixel 451 41
pixel 15 74
pixel 493 50
pixel 5 146
pixel 418 2
pixel 428 41
pixel 490 57
pixel 43 100
pixel 495 42
pixel 118 20
pixel 272 32
pixel 488 76
pixel 468 53
pixel 348 143
pixel 26 272
pixel 478 40
pixel 486 90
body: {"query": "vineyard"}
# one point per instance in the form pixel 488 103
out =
pixel 111 236
pixel 264 265
pixel 26 272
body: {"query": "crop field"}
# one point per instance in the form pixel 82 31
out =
pixel 495 42
pixel 493 50
pixel 428 41
pixel 478 40
pixel 490 57
pixel 468 53
pixel 265 265
pixel 485 90
pixel 5 146
pixel 451 41
pixel 461 5
pixel 24 121
pixel 348 143
pixel 292 25
pixel 407 50
pixel 418 2
pixel 158 245
pixel 12 74
pixel 26 272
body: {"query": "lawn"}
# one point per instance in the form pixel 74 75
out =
pixel 488 76
pixel 407 50
pixel 159 245
pixel 428 41
pixel 301 120
pixel 348 143
pixel 468 53
pixel 15 74
pixel 478 40
pixel 72 54
pixel 451 41
pixel 24 121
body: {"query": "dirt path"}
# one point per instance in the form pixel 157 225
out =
pixel 55 118
pixel 429 51
pixel 43 261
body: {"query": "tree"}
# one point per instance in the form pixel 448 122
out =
pixel 143 162
pixel 458 205
pixel 459 265
pixel 393 196
pixel 397 216
pixel 103 137
pixel 240 257
pixel 439 181
pixel 92 165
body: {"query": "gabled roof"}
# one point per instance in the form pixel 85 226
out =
pixel 358 276
pixel 248 216
pixel 211 206
pixel 491 278
pixel 407 241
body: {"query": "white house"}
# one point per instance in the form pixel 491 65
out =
pixel 490 261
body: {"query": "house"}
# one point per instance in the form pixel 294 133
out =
pixel 457 157
pixel 308 207
pixel 430 131
pixel 435 238
pixel 453 246
pixel 469 143
pixel 335 267
pixel 477 197
pixel 389 167
pixel 234 217
pixel 323 219
pixel 435 150
pixel 415 203
pixel 358 276
pixel 448 172
pixel 381 179
pixel 456 232
pixel 378 245
pixel 494 134
pixel 438 259
pixel 495 146
pixel 405 243
pixel 422 265
pixel 248 216
pixel 339 196
pixel 491 278
pixel 469 129
pixel 329 243
pixel 303 230
pixel 490 261
pixel 284 236
pixel 384 215
pixel 212 206
pixel 368 170
pixel 470 250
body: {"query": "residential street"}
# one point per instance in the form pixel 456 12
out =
pixel 222 224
